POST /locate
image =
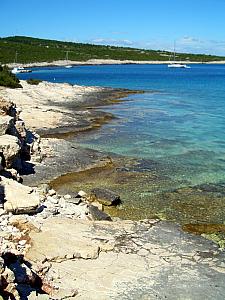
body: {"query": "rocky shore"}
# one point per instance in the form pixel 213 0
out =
pixel 64 246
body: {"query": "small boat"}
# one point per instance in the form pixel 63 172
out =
pixel 178 65
pixel 20 70
pixel 175 64
pixel 17 70
pixel 67 66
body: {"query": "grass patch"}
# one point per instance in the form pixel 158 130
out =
pixel 33 81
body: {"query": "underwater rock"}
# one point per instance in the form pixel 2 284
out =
pixel 105 196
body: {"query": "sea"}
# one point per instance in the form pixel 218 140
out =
pixel 178 124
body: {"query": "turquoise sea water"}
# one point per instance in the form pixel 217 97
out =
pixel 179 121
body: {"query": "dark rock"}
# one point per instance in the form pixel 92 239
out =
pixel 98 215
pixel 105 196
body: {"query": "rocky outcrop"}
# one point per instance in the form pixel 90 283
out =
pixel 17 146
pixel 16 142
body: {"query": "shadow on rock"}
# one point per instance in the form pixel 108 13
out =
pixel 19 281
pixel 27 168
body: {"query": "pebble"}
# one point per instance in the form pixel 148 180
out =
pixel 54 200
pixel 4 223
pixel 22 242
pixel 82 194
pixel 49 199
pixel 52 192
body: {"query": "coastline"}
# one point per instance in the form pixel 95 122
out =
pixel 58 112
pixel 129 256
pixel 91 62
pixel 63 108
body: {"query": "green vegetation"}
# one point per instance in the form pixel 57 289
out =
pixel 34 81
pixel 8 79
pixel 38 50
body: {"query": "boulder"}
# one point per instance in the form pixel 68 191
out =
pixel 9 148
pixel 105 196
pixel 7 108
pixel 19 198
pixel 6 122
pixel 19 130
pixel 98 215
pixel 33 142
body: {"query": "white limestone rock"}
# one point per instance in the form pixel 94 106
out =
pixel 19 198
pixel 5 123
pixel 9 147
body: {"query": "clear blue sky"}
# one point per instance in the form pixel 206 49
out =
pixel 196 25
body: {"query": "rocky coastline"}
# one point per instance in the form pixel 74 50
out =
pixel 64 246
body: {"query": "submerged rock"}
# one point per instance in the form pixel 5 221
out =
pixel 105 196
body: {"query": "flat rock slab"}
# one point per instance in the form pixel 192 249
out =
pixel 62 239
pixel 18 197
pixel 64 157
pixel 133 260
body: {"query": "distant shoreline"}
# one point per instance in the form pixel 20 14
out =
pixel 91 62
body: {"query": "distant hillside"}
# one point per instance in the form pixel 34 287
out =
pixel 39 50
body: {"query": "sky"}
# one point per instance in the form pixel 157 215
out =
pixel 197 26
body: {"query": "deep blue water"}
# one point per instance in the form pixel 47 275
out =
pixel 179 121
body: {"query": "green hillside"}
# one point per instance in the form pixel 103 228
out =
pixel 38 50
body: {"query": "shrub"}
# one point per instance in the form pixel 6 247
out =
pixel 34 81
pixel 8 79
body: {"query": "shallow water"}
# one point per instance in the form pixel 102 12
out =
pixel 179 123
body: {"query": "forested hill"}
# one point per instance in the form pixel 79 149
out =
pixel 27 50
